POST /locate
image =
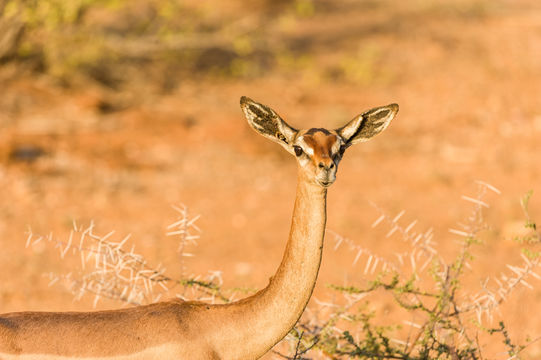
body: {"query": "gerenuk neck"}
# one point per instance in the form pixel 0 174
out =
pixel 257 323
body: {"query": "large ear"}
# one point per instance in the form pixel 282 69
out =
pixel 268 123
pixel 368 124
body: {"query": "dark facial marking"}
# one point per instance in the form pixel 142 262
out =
pixel 8 324
pixel 312 131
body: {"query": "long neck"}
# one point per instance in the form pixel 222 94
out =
pixel 258 322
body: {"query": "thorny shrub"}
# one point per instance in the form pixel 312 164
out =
pixel 443 318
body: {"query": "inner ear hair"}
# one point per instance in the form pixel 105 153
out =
pixel 281 137
pixel 267 122
pixel 368 124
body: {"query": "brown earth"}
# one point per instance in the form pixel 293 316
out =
pixel 469 92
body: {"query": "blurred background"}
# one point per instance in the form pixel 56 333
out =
pixel 112 110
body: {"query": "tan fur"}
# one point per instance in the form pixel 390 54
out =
pixel 245 329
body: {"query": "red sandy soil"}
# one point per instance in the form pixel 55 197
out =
pixel 469 110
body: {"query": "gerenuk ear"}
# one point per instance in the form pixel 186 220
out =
pixel 368 124
pixel 268 123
